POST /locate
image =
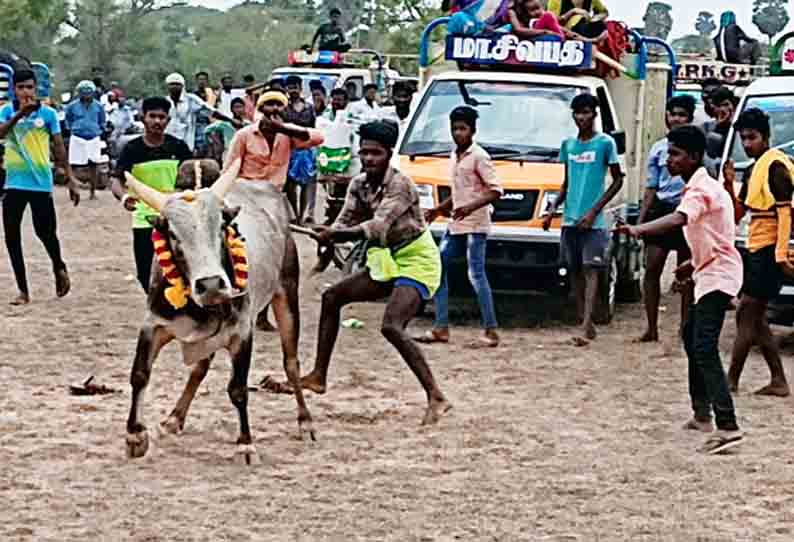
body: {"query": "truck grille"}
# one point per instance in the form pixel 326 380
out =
pixel 515 205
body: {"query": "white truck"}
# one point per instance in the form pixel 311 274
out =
pixel 523 92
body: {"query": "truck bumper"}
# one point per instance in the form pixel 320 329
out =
pixel 517 260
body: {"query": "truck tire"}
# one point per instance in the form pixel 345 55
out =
pixel 606 301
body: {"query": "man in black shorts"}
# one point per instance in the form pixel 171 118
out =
pixel 662 196
pixel 766 192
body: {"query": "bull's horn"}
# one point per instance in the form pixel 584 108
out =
pixel 226 180
pixel 151 197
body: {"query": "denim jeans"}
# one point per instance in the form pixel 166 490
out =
pixel 471 245
pixel 708 386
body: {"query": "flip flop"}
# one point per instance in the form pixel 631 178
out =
pixel 721 441
pixel 432 337
pixel 62 283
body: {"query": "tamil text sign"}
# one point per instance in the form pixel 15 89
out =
pixel 508 49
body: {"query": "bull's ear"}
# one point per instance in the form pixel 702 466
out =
pixel 229 214
pixel 158 222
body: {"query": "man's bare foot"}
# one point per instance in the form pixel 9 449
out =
pixel 647 337
pixel 435 409
pixel 309 382
pixel 699 425
pixel 775 389
pixel 21 299
pixel 62 283
pixel 313 382
pixel 489 340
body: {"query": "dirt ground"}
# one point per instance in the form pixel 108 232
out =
pixel 546 442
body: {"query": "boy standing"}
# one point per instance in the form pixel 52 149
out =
pixel 584 239
pixel 29 127
pixel 475 187
pixel 706 213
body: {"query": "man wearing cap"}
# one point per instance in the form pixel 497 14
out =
pixel 185 110
pixel 85 118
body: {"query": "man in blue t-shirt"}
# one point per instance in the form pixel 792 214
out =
pixel 85 118
pixel 584 240
pixel 29 127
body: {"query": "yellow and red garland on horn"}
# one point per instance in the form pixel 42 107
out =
pixel 177 293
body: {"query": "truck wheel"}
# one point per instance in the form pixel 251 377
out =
pixel 606 301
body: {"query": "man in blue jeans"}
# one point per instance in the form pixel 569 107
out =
pixel 475 187
pixel 584 240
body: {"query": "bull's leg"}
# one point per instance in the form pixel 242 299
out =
pixel 150 341
pixel 176 420
pixel 241 351
pixel 287 311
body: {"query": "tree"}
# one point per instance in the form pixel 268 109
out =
pixel 27 27
pixel 705 24
pixel 770 16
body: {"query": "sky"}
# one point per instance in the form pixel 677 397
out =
pixel 631 11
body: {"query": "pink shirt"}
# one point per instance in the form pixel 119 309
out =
pixel 711 235
pixel 473 176
pixel 259 162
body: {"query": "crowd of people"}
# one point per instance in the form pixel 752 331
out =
pixel 289 140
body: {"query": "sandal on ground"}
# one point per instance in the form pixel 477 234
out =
pixel 721 441
pixel 432 337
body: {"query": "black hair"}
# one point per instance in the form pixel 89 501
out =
pixel 275 81
pixel 155 103
pixel 205 74
pixel 369 86
pixel 402 86
pixel 318 85
pixel 685 102
pixel 722 94
pixel 689 138
pixel 249 77
pixel 753 119
pixel 236 101
pixel 711 82
pixel 293 80
pixel 465 114
pixel 339 92
pixel 584 101
pixel 227 76
pixel 24 75
pixel 335 11
pixel 384 132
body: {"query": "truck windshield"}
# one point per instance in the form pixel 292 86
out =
pixel 525 121
pixel 328 80
pixel 780 109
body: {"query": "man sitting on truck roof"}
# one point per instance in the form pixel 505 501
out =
pixel 728 42
pixel 331 34
pixel 767 195
pixel 662 196
pixel 585 239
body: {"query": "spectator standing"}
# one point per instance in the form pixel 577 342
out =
pixel 85 118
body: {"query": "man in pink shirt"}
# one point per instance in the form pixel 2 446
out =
pixel 706 213
pixel 475 187
pixel 264 148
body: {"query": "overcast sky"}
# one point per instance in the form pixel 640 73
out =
pixel 684 12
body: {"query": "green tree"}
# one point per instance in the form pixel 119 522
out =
pixel 29 27
pixel 770 16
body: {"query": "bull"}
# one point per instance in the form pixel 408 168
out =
pixel 217 315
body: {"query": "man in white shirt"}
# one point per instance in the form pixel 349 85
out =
pixel 227 94
pixel 366 109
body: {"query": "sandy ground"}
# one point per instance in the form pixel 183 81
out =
pixel 546 442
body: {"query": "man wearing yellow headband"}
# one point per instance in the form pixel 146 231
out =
pixel 264 148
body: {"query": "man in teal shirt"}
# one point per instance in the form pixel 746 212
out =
pixel 585 239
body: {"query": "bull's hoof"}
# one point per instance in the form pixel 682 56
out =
pixel 245 454
pixel 137 444
pixel 172 425
pixel 306 428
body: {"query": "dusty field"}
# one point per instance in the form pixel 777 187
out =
pixel 546 442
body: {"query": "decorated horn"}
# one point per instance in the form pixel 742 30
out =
pixel 226 180
pixel 151 197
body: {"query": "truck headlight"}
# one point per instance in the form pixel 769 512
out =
pixel 426 198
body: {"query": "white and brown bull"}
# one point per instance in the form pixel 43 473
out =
pixel 217 315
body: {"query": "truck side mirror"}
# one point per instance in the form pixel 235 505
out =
pixel 620 141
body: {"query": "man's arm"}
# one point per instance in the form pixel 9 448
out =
pixel 62 160
pixel 647 201
pixel 316 35
pixel 729 180
pixel 655 227
pixel 780 183
pixel 487 173
pixel 617 183
pixel 6 127
pixel 557 202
